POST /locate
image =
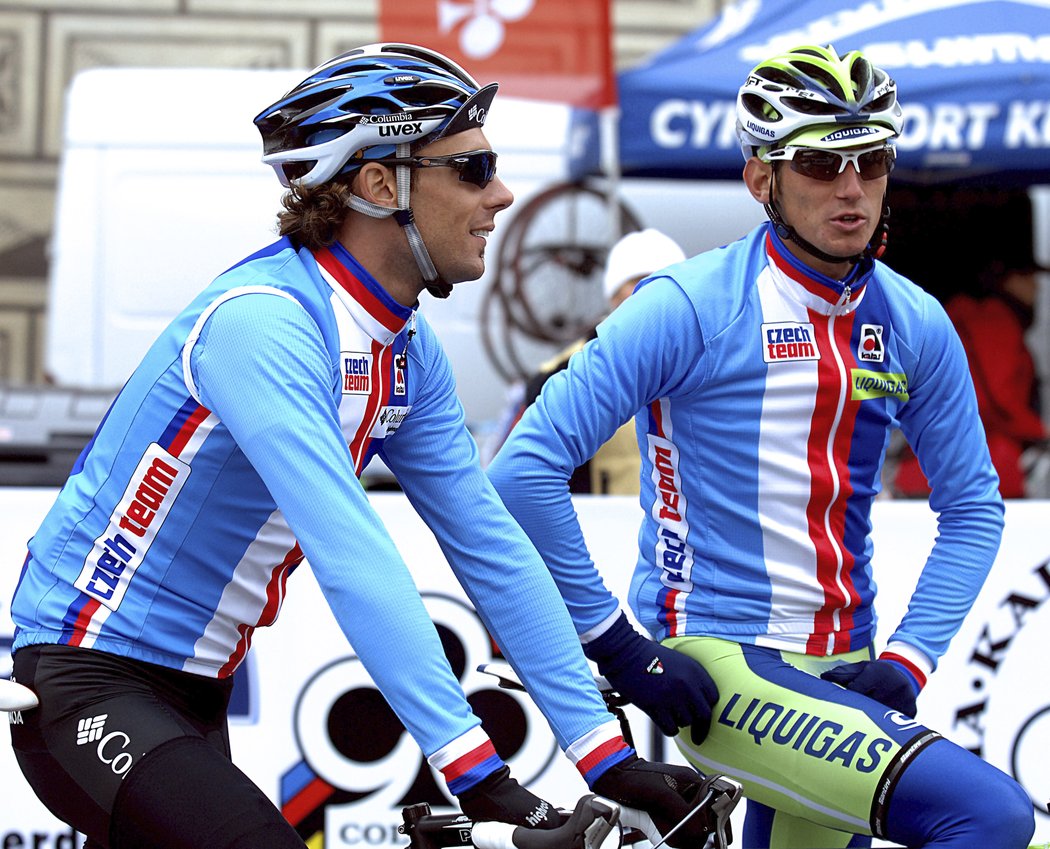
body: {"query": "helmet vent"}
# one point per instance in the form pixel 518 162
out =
pixel 861 75
pixel 881 104
pixel 812 107
pixel 823 77
pixel 775 75
pixel 759 107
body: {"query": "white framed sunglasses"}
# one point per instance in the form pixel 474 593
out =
pixel 825 165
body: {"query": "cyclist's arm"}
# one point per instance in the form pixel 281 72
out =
pixel 275 395
pixel 943 427
pixel 640 354
pixel 436 462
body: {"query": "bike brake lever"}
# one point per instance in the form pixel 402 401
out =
pixel 729 793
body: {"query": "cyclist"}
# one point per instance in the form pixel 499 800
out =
pixel 765 378
pixel 233 452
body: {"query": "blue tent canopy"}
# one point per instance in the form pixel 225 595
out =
pixel 973 80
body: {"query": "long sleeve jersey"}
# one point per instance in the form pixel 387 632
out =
pixel 233 452
pixel 764 396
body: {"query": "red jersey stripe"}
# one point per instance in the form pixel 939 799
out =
pixel 187 430
pixel 275 591
pixel 842 446
pixel 358 291
pixel 381 362
pixel 822 485
pixel 467 762
pixel 920 676
pixel 80 626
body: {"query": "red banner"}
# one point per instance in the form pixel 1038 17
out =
pixel 544 49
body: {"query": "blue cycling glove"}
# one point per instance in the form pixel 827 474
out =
pixel 884 681
pixel 672 688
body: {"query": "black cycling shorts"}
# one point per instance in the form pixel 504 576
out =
pixel 130 753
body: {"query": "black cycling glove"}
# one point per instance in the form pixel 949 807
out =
pixel 666 792
pixel 672 688
pixel 499 798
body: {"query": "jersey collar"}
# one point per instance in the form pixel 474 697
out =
pixel 817 290
pixel 370 304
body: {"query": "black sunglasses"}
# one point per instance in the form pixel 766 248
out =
pixel 826 165
pixel 474 166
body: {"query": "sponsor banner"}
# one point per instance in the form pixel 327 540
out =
pixel 877 384
pixel 972 76
pixel 320 742
pixel 542 49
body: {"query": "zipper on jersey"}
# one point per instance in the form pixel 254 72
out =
pixel 844 298
pixel 841 308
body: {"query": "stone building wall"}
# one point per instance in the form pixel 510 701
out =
pixel 44 43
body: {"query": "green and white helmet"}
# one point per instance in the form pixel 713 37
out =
pixel 813 97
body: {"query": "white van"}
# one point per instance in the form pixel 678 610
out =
pixel 161 188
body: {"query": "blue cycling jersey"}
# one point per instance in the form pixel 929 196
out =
pixel 233 452
pixel 764 397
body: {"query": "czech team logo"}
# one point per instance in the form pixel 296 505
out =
pixel 870 348
pixel 357 372
pixel 788 341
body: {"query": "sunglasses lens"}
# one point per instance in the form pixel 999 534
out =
pixel 826 165
pixel 875 164
pixel 478 168
pixel 817 164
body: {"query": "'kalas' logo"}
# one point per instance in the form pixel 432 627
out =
pixel 1007 722
pixel 360 766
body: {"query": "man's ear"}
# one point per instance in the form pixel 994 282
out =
pixel 758 177
pixel 376 184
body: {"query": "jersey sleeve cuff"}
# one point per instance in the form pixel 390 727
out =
pixel 913 661
pixel 467 760
pixel 597 750
pixel 592 634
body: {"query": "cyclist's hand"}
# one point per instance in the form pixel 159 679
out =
pixel 672 688
pixel 666 792
pixel 882 680
pixel 499 798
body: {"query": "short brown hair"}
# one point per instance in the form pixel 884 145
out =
pixel 313 215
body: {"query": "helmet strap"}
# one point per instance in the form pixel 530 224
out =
pixel 788 233
pixel 882 232
pixel 404 216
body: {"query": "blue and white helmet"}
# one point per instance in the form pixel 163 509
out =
pixel 365 103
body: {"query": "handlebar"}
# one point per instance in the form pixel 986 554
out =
pixel 716 799
pixel 16 696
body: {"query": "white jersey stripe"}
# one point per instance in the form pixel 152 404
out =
pixel 787 411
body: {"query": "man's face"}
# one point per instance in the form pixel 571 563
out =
pixel 456 217
pixel 839 217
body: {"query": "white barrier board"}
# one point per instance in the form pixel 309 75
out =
pixel 308 733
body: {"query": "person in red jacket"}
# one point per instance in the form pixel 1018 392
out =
pixel 992 325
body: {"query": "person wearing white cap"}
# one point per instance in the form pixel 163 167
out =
pixel 634 257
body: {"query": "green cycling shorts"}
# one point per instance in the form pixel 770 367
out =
pixel 808 748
